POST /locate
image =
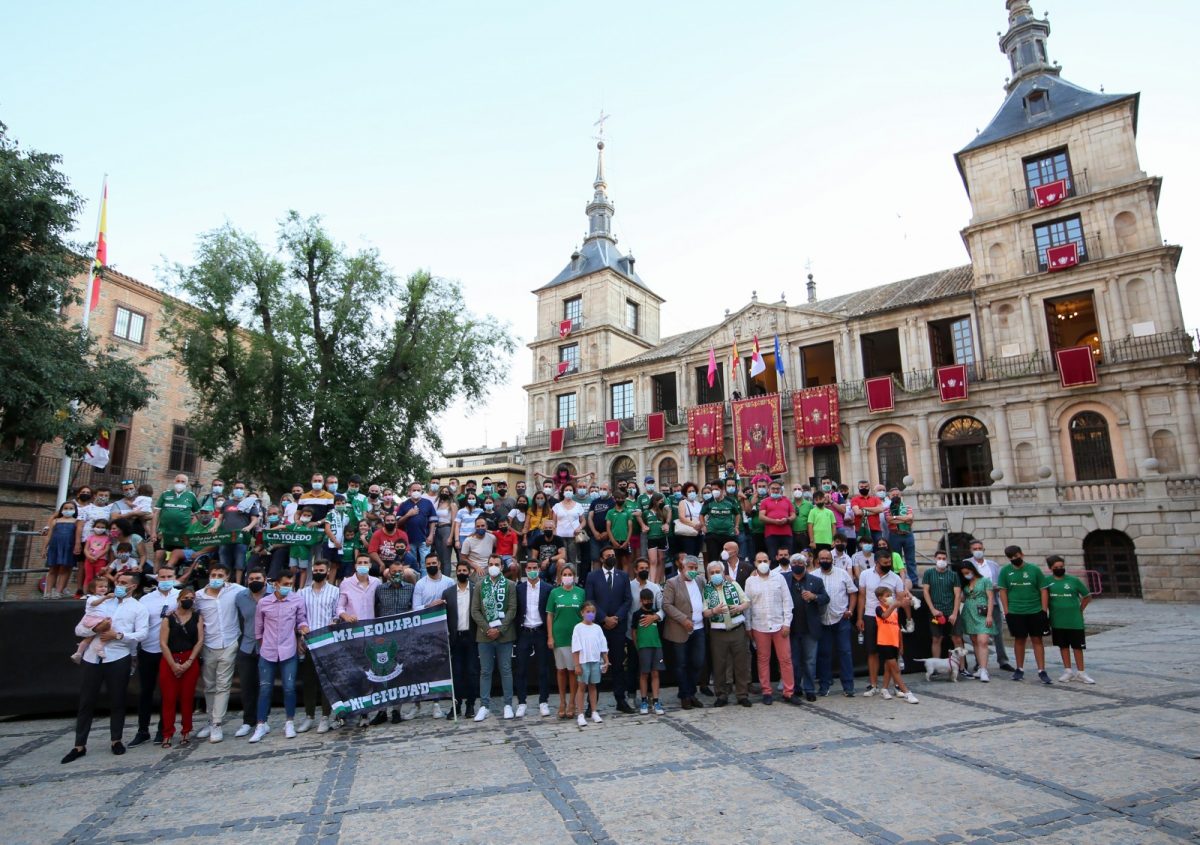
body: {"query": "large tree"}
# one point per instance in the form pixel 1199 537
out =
pixel 313 357
pixel 58 382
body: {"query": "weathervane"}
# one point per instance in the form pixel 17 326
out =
pixel 600 123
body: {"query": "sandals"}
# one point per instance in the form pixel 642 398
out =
pixel 166 743
pixel 184 741
pixel 562 712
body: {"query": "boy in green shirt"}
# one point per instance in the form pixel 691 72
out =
pixel 650 653
pixel 821 523
pixel 619 521
pixel 1068 598
pixel 1025 602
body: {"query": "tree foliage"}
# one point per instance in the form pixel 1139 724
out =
pixel 58 382
pixel 313 357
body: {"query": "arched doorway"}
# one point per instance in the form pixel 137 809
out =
pixel 668 473
pixel 827 463
pixel 1091 448
pixel 966 455
pixel 623 469
pixel 1112 554
pixel 892 458
pixel 960 546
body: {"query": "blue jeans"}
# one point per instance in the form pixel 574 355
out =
pixel 804 659
pixel 233 555
pixel 906 545
pixel 836 635
pixel 689 661
pixel 491 653
pixel 266 680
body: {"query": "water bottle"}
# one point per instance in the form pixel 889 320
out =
pixel 860 637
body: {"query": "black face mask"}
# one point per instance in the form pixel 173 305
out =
pixel 826 565
pixel 609 562
pixel 320 576
pixel 372 495
pixel 1059 573
pixel 463 577
pixel 84 497
pixel 1016 561
pixel 256 586
pixel 186 604
pixel 643 574
pixel 432 570
pixel 862 491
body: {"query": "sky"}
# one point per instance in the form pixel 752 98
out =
pixel 747 141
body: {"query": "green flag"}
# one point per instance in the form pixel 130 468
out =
pixel 205 539
pixel 293 535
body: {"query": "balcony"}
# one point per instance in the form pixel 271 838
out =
pixel 1147 348
pixel 1116 489
pixel 577 323
pixel 41 473
pixel 1090 249
pixel 1024 198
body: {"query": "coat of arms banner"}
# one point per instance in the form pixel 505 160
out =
pixel 758 435
pixel 706 434
pixel 815 412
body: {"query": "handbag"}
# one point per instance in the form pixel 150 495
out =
pixel 682 529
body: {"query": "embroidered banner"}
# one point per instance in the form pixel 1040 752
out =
pixel 815 412
pixel 952 382
pixel 1050 194
pixel 557 436
pixel 656 427
pixel 880 394
pixel 706 435
pixel 758 435
pixel 1076 366
pixel 612 432
pixel 1062 257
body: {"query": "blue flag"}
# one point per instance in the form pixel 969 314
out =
pixel 778 357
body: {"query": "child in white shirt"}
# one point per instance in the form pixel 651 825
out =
pixel 590 649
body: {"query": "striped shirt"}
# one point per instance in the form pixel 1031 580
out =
pixel 391 599
pixel 320 605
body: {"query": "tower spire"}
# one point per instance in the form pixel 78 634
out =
pixel 600 209
pixel 1025 43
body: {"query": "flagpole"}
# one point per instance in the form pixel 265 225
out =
pixel 64 470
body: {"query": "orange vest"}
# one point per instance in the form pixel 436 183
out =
pixel 887 631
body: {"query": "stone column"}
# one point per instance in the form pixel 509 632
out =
pixel 987 337
pixel 1031 339
pixel 925 445
pixel 1117 325
pixel 1167 297
pixel 642 468
pixel 854 364
pixel 1139 439
pixel 841 356
pixel 1045 446
pixel 1189 449
pixel 856 457
pixel 1004 453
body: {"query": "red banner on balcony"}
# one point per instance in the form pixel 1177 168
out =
pixel 612 432
pixel 706 434
pixel 656 427
pixel 1050 194
pixel 815 412
pixel 880 394
pixel 563 366
pixel 952 382
pixel 1062 257
pixel 758 435
pixel 1076 366
pixel 564 328
pixel 557 436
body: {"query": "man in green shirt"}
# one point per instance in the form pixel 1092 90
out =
pixel 721 516
pixel 1068 598
pixel 1025 602
pixel 943 596
pixel 619 519
pixel 173 514
pixel 821 523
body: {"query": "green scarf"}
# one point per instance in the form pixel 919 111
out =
pixel 293 535
pixel 711 599
pixel 491 597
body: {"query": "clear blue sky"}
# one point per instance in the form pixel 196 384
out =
pixel 745 138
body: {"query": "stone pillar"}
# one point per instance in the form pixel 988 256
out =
pixel 1031 339
pixel 1118 328
pixel 854 365
pixel 856 457
pixel 643 468
pixel 925 445
pixel 841 356
pixel 1139 438
pixel 987 337
pixel 1189 449
pixel 1167 297
pixel 1045 446
pixel 1004 453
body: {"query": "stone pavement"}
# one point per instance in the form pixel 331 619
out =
pixel 1001 762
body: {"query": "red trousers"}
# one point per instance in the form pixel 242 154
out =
pixel 179 692
pixel 92 568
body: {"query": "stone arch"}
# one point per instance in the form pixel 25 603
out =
pixel 1137 301
pixel 666 470
pixel 1125 227
pixel 1113 557
pixel 1025 463
pixel 964 452
pixel 997 260
pixel 1166 450
pixel 887 436
pixel 622 468
pixel 1121 465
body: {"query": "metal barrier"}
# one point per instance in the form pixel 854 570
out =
pixel 22 573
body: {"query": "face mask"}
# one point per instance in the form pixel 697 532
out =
pixel 99 529
pixel 1059 573
pixel 590 616
pixel 977 554
pixel 603 494
pixel 763 568
pixel 218 503
pixel 762 491
pixel 708 497
pixel 216 583
pixel 523 506
pixel 650 486
pixel 256 586
pixel 362 570
pixel 807 494
pixel 479 532
pixel 453 488
pixel 941 563
pixel 825 488
pixel 494 571
pixel 568 494
pixel 206 518
pixel 539 502
pixel 129 494
pixel 547 489
pixel 372 496
pixel 187 604
pixel 887 600
pixel 320 576
pixel 532 574
pixel 317 485
pixel 776 495
pixel 862 491
pixel 967 576
pixel 691 495
pixel 282 591
pixel 166 586
pixel 643 574
pixel 489 507
pixel 272 518
pixel 487 488
pixel 839 548
pixel 797 494
pixel 880 494
pixel 414 495
pixel 471 500
pixel 716 579
pixel 819 504
pixel 238 493
pixel 69 512
pixel 462 577
pixel 826 564
pixel 304 520
pixel 433 570
pixel 1017 561
pixel 724 555
pixel 609 562
pixel 342 508
pixel 333 487
pixel 691 575
pixel 398 578
pixel 218 489
pixel 731 490
pixel 568 580
pixel 179 488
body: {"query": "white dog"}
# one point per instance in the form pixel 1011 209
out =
pixel 946 666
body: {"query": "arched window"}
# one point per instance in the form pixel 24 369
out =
pixel 892 458
pixel 1091 448
pixel 966 455
pixel 1111 554
pixel 960 546
pixel 827 463
pixel 623 469
pixel 668 473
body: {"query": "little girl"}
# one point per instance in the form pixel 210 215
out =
pixel 887 635
pixel 60 549
pixel 589 647
pixel 98 594
pixel 95 550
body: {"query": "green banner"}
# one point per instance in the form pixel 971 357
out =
pixel 203 541
pixel 293 535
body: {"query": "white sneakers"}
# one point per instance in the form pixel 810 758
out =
pixel 885 694
pixel 1085 677
pixel 581 720
pixel 983 675
pixel 481 714
pixel 596 717
pixel 870 691
pixel 520 711
pixel 437 710
pixel 323 725
pixel 544 709
pixel 215 735
pixel 289 729
pixel 910 698
pixel 305 726
pixel 243 730
pixel 204 731
pixel 259 733
pixel 1067 675
pixel 909 627
pixel 508 711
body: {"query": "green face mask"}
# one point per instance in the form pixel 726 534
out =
pixel 691 576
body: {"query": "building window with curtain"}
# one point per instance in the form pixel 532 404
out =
pixel 1091 448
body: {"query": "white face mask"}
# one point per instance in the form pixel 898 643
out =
pixel 968 575
pixel 977 554
pixel 494 571
pixel 179 488
pixel 317 485
pixel 724 555
pixel 764 568
pixel 941 563
pixel 568 580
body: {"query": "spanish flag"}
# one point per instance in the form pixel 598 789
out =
pixel 101 260
pixel 735 356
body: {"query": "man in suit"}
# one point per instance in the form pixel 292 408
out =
pixel 683 602
pixel 734 568
pixel 809 598
pixel 532 593
pixel 464 655
pixel 609 588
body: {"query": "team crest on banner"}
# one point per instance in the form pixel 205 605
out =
pixel 706 433
pixel 381 656
pixel 815 413
pixel 757 435
pixel 952 382
pixel 612 432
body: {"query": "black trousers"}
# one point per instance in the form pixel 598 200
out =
pixel 464 664
pixel 114 675
pixel 616 660
pixel 532 642
pixel 247 672
pixel 148 664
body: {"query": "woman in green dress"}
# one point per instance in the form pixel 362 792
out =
pixel 977 620
pixel 564 610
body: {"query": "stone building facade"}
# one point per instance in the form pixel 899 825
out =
pixel 1108 475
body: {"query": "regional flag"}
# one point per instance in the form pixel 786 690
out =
pixel 952 382
pixel 757 367
pixel 1062 257
pixel 1050 194
pixel 101 260
pixel 612 432
pixel 778 357
pixel 97 453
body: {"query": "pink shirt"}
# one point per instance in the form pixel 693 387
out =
pixel 779 508
pixel 354 599
pixel 276 623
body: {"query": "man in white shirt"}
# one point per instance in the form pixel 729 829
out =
pixel 429 590
pixel 158 603
pixel 320 606
pixel 989 569
pixel 126 625
pixel 532 595
pixel 836 624
pixel 217 604
pixel 478 547
pixel 880 576
pixel 464 655
pixel 770 617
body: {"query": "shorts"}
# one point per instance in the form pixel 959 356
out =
pixel 331 555
pixel 1069 638
pixel 945 629
pixel 869 635
pixel 563 658
pixel 1022 625
pixel 589 673
pixel 650 660
pixel 887 652
pixel 656 542
pixel 299 563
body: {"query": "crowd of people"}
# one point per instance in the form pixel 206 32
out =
pixel 580 581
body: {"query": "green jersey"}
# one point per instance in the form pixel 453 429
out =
pixel 1024 585
pixel 941 588
pixel 822 521
pixel 567 607
pixel 1066 593
pixel 654 523
pixel 721 515
pixel 618 520
pixel 176 511
pixel 648 636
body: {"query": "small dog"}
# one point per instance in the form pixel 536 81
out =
pixel 946 666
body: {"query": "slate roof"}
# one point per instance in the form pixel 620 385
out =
pixel 595 255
